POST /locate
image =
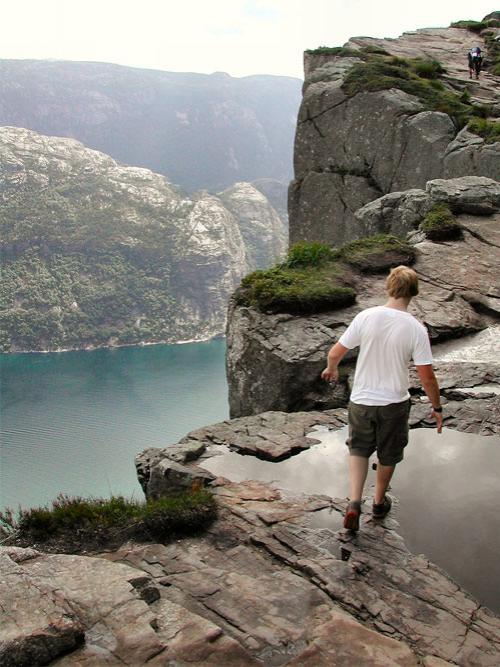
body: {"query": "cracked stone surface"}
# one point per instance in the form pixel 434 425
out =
pixel 265 586
pixel 87 611
pixel 271 435
pixel 351 151
pixel 274 361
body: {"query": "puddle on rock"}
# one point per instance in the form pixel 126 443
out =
pixel 483 346
pixel 448 491
pixel 491 388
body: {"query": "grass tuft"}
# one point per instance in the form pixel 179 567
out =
pixel 103 519
pixel 477 26
pixel 340 51
pixel 316 277
pixel 488 129
pixel 414 76
pixel 440 224
pixel 296 291
pixel 304 254
pixel 473 26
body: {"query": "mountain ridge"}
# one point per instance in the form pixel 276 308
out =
pixel 96 253
pixel 199 130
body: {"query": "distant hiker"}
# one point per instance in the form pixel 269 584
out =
pixel 475 61
pixel 388 337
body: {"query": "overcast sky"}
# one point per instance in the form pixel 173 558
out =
pixel 240 37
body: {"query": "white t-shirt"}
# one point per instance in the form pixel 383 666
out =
pixel 388 339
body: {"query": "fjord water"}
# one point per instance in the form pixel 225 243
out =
pixel 72 422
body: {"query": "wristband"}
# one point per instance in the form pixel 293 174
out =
pixel 440 409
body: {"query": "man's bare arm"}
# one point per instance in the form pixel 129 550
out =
pixel 335 355
pixel 431 388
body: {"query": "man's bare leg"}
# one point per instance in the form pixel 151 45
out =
pixel 358 470
pixel 384 474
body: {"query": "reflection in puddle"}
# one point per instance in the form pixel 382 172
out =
pixel 448 489
pixel 480 347
pixel 320 469
pixel 491 388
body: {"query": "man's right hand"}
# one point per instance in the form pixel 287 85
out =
pixel 438 416
pixel 330 375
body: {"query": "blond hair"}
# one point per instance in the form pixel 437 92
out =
pixel 402 283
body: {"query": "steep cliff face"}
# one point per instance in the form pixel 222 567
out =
pixel 369 126
pixel 201 131
pixel 98 253
pixel 274 361
pixel 264 232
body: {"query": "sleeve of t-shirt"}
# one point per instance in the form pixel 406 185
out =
pixel 422 354
pixel 351 336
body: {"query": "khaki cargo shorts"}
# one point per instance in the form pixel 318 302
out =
pixel 383 428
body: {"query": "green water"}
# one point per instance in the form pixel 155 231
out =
pixel 73 422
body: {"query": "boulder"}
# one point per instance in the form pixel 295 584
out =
pixel 400 213
pixel 168 478
pixel 274 361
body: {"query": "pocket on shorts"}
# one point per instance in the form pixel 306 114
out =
pixel 395 411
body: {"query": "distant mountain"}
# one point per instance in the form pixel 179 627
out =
pixel 97 253
pixel 201 131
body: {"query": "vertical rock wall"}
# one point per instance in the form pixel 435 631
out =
pixel 352 150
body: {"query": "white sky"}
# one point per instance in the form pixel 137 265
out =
pixel 240 37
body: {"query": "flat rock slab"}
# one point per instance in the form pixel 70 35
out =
pixel 356 599
pixel 272 436
pixel 264 585
pixel 89 611
pixel 37 626
pixel 471 412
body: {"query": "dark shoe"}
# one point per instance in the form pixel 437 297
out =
pixel 381 510
pixel 351 518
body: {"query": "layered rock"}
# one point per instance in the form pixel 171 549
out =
pixel 264 232
pixel 352 150
pixel 274 361
pixel 223 598
pixel 98 253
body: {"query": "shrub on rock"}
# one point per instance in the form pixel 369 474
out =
pixel 74 523
pixel 316 277
pixel 440 224
pixel 489 130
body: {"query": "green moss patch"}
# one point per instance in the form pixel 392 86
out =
pixel 75 524
pixel 414 76
pixel 376 254
pixel 297 291
pixel 333 51
pixel 440 224
pixel 316 277
pixel 488 129
pixel 476 26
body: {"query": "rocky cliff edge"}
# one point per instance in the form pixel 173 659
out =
pixel 355 143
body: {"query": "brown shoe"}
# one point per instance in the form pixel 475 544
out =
pixel 351 518
pixel 382 509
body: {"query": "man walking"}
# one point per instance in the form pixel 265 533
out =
pixel 388 337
